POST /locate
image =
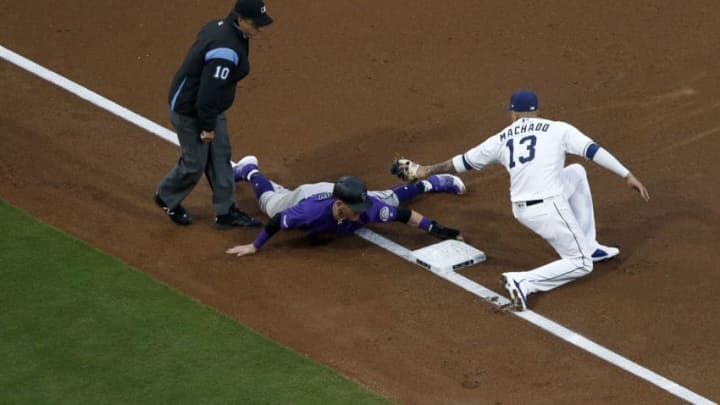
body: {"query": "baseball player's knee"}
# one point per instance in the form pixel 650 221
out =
pixel 576 170
pixel 194 173
pixel 583 263
pixel 192 165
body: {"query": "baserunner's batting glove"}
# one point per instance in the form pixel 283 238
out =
pixel 443 232
pixel 405 169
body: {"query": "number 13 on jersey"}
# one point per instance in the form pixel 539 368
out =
pixel 526 150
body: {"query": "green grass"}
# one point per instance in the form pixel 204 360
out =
pixel 79 327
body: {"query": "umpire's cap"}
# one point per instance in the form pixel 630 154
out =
pixel 253 10
pixel 353 193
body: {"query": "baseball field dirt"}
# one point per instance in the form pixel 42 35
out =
pixel 340 88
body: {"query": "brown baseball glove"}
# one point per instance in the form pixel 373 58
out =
pixel 405 169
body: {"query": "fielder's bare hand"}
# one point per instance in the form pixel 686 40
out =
pixel 242 250
pixel 634 183
pixel 207 136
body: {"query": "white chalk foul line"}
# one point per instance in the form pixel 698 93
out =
pixel 459 280
pixel 89 95
pixel 612 357
pixel 542 322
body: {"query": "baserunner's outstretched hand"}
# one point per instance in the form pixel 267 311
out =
pixel 242 250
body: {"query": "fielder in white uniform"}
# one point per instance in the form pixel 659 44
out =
pixel 549 198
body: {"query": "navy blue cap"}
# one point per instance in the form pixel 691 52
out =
pixel 523 101
pixel 353 193
pixel 253 10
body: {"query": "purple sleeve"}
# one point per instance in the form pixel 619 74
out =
pixel 261 239
pixel 380 212
pixel 425 223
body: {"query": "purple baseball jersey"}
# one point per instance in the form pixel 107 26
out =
pixel 314 215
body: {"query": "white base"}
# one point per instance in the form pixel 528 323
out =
pixel 448 256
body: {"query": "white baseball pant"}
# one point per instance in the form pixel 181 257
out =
pixel 567 222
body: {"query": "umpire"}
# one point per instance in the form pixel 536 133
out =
pixel 201 92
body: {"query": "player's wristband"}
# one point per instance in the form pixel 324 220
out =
pixel 425 224
pixel 261 239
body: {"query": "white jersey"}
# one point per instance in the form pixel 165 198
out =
pixel 533 152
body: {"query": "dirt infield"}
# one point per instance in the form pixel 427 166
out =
pixel 338 88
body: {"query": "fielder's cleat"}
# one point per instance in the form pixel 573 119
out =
pixel 519 300
pixel 236 218
pixel 177 214
pixel 243 168
pixel 446 183
pixel 603 253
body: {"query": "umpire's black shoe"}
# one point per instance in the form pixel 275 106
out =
pixel 236 218
pixel 177 214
